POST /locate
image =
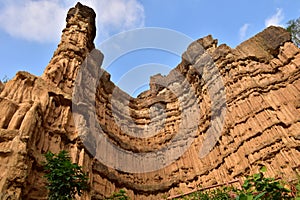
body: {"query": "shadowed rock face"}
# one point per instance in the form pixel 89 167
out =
pixel 262 84
pixel 1 86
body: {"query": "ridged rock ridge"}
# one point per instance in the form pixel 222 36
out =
pixel 261 80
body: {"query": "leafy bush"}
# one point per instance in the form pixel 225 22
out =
pixel 255 187
pixel 294 28
pixel 298 190
pixel 215 194
pixel 64 178
pixel 259 187
pixel 121 195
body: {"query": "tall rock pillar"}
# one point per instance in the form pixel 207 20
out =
pixel 76 42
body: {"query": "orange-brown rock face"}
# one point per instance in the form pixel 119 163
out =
pixel 261 79
pixel 77 41
pixel 1 86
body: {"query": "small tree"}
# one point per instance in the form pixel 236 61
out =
pixel 64 178
pixel 5 79
pixel 294 29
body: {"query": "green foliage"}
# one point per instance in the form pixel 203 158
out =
pixel 294 28
pixel 121 195
pixel 298 190
pixel 64 178
pixel 259 187
pixel 5 79
pixel 215 194
pixel 255 187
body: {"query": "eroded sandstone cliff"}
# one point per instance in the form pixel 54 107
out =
pixel 261 79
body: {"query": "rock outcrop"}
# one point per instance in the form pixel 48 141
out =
pixel 1 86
pixel 76 42
pixel 261 79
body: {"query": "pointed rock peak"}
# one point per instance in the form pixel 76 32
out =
pixel 84 12
pixel 77 41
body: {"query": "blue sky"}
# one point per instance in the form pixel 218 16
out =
pixel 30 29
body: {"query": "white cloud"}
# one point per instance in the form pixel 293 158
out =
pixel 243 31
pixel 43 20
pixel 275 19
pixel 32 20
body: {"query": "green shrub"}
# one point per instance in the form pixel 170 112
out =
pixel 65 179
pixel 259 187
pixel 214 194
pixel 298 190
pixel 255 187
pixel 294 29
pixel 121 195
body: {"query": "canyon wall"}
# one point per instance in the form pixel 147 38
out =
pixel 256 122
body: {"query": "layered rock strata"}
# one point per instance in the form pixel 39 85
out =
pixel 261 79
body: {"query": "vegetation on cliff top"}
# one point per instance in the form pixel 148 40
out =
pixel 294 28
